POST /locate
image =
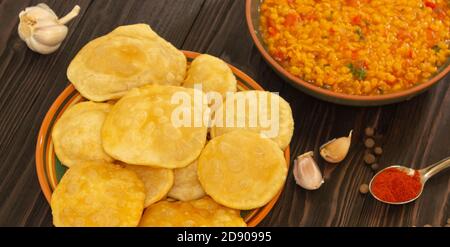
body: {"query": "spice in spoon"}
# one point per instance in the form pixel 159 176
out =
pixel 395 185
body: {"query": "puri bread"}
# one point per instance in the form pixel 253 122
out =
pixel 242 170
pixel 212 73
pixel 98 194
pixel 198 213
pixel 142 127
pixel 186 186
pixel 76 135
pixel 128 57
pixel 263 121
pixel 157 182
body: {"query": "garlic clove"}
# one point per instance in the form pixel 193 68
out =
pixel 41 29
pixel 336 150
pixel 24 31
pixel 32 16
pixel 47 8
pixel 38 13
pixel 50 35
pixel 307 173
pixel 44 24
pixel 36 46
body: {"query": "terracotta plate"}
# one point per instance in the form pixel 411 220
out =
pixel 252 16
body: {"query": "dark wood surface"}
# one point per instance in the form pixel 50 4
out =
pixel 415 133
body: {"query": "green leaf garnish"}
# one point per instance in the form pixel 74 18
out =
pixel 358 73
pixel 436 48
pixel 360 33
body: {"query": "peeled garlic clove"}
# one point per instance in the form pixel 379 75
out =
pixel 335 150
pixel 306 172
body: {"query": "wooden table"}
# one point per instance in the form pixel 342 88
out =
pixel 415 133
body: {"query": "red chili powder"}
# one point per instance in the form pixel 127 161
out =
pixel 395 185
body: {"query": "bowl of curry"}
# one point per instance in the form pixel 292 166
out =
pixel 354 52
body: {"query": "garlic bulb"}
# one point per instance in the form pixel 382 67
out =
pixel 306 172
pixel 335 150
pixel 41 29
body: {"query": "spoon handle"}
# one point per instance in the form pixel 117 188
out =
pixel 435 168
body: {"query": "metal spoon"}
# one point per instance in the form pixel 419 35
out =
pixel 425 174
